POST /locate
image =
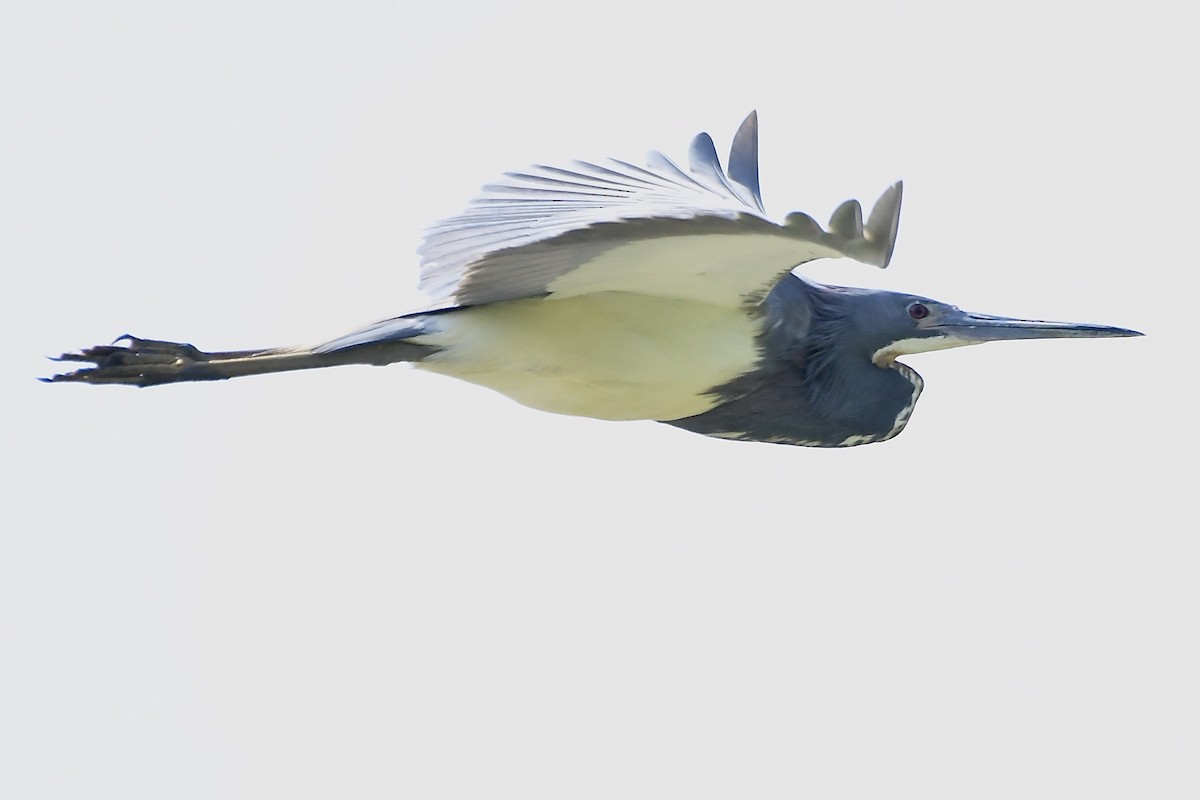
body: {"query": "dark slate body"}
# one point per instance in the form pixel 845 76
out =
pixel 815 384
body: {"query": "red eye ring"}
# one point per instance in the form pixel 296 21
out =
pixel 918 311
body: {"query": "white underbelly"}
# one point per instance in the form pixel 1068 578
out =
pixel 611 355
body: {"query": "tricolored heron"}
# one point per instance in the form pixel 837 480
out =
pixel 623 292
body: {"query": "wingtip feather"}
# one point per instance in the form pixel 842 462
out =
pixel 884 222
pixel 847 220
pixel 743 157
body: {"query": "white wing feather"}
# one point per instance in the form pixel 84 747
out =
pixel 656 230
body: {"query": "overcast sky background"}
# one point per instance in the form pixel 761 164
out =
pixel 377 583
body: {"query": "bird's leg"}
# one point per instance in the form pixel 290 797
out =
pixel 148 362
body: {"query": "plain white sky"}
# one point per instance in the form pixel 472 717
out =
pixel 377 583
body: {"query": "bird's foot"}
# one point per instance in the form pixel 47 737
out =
pixel 137 362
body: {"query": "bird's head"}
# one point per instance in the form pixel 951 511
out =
pixel 887 325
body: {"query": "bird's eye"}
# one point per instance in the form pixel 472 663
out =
pixel 918 311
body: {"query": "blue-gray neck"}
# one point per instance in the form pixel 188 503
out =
pixel 814 384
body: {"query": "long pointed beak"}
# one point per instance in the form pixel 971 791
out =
pixel 988 328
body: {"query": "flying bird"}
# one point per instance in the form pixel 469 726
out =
pixel 627 292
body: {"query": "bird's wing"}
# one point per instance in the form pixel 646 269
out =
pixel 699 234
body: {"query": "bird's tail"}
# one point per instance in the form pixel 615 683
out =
pixel 148 362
